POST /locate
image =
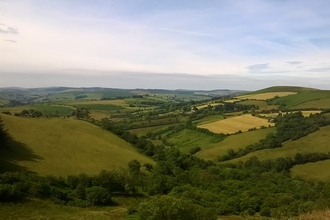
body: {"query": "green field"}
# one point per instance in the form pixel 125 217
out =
pixel 312 143
pixel 283 89
pixel 318 104
pixel 234 142
pixel 100 107
pixel 45 109
pixel 208 119
pixel 294 100
pixel 318 171
pixel 261 104
pixel 65 146
pixel 188 139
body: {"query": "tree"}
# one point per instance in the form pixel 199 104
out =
pixel 4 136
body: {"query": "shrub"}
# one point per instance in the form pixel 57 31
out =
pixel 98 196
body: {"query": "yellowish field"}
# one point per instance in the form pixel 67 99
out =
pixel 232 100
pixel 265 96
pixel 261 104
pixel 234 142
pixel 234 124
pixel 66 146
pixel 313 171
pixel 315 142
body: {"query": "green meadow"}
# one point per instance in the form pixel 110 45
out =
pixel 317 171
pixel 66 146
pixel 235 142
pixel 315 142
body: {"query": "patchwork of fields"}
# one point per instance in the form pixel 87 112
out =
pixel 235 124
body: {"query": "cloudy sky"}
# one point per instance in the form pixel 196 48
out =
pixel 174 44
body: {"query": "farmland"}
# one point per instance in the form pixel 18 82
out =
pixel 235 142
pixel 314 142
pixel 235 124
pixel 192 152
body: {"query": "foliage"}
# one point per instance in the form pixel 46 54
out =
pixel 170 208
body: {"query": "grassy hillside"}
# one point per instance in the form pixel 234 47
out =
pixel 313 171
pixel 65 146
pixel 234 142
pixel 284 89
pixel 312 143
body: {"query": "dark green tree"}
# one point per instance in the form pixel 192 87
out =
pixel 4 136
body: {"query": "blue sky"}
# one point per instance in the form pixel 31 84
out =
pixel 171 44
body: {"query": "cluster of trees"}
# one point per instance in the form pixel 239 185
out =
pixel 30 113
pixel 4 136
pixel 290 126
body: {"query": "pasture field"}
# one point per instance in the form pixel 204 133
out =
pixel 45 109
pixel 208 119
pixel 118 102
pixel 188 139
pixel 318 171
pixel 261 104
pixel 265 96
pixel 315 142
pixel 235 124
pixel 317 104
pixel 145 130
pixel 66 146
pixel 234 142
pixel 294 100
pixel 100 107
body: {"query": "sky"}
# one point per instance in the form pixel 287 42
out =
pixel 172 44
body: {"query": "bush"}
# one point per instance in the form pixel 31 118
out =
pixel 98 196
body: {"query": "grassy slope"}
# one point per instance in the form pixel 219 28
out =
pixel 284 89
pixel 313 171
pixel 188 139
pixel 233 142
pixel 65 146
pixel 314 142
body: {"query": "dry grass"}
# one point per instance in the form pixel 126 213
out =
pixel 234 124
pixel 118 102
pixel 265 96
pixel 67 146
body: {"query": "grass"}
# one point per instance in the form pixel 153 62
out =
pixel 37 210
pixel 295 100
pixel 144 131
pixel 234 124
pixel 45 109
pixel 261 104
pixel 208 119
pixel 315 142
pixel 284 89
pixel 318 104
pixel 266 95
pixel 313 171
pixel 100 107
pixel 305 113
pixel 188 139
pixel 66 146
pixel 234 142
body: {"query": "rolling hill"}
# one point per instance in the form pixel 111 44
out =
pixel 64 146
